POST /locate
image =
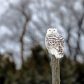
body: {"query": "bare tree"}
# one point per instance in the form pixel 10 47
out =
pixel 30 19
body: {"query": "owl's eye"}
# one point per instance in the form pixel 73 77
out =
pixel 49 30
pixel 53 30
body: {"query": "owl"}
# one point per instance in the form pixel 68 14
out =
pixel 54 42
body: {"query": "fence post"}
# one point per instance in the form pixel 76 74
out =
pixel 55 70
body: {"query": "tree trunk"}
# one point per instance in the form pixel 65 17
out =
pixel 22 41
pixel 55 70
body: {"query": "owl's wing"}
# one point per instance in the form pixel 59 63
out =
pixel 61 40
pixel 46 41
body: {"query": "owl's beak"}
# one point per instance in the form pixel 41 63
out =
pixel 52 32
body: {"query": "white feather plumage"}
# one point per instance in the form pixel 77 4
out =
pixel 54 42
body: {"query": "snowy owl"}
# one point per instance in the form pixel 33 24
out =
pixel 54 42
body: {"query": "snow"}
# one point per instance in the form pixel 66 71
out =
pixel 4 30
pixel 3 6
pixel 77 6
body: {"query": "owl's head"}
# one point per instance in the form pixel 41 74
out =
pixel 52 31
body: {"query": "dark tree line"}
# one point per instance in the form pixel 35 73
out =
pixel 37 70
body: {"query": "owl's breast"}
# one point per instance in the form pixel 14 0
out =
pixel 52 42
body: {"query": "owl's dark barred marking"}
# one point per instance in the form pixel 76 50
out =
pixel 54 42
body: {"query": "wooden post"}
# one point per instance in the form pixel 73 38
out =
pixel 55 70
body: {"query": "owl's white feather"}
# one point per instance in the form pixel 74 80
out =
pixel 52 31
pixel 54 42
pixel 55 52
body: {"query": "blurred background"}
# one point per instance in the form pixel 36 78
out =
pixel 23 25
